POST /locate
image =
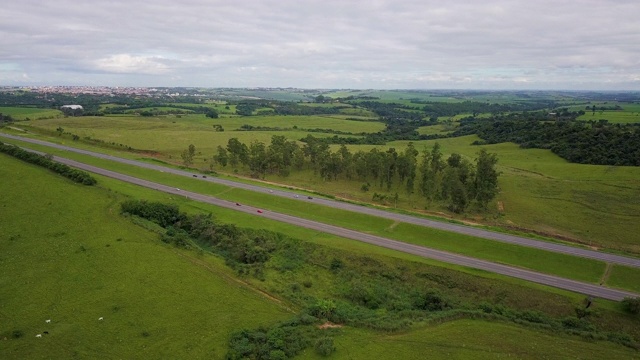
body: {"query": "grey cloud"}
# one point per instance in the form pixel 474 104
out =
pixel 373 44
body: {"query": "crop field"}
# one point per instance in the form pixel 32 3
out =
pixel 22 113
pixel 84 262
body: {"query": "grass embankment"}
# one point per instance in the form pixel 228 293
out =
pixel 556 264
pixel 67 255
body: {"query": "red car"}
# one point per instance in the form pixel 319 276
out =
pixel 260 211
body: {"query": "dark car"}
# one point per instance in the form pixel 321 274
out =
pixel 237 204
pixel 194 175
pixel 309 197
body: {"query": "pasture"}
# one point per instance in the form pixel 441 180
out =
pixel 24 113
pixel 83 261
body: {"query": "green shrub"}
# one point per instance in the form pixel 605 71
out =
pixel 324 346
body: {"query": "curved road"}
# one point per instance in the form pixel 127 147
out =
pixel 580 287
pixel 460 229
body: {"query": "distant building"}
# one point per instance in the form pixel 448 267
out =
pixel 72 107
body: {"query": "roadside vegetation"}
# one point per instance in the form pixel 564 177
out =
pixel 75 175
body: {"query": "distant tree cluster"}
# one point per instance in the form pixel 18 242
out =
pixel 454 180
pixel 75 175
pixel 248 107
pixel 584 142
pixel 5 119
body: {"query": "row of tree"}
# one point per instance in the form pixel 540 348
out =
pixel 76 175
pixel 455 179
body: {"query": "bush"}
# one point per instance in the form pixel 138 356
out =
pixel 631 305
pixel 324 346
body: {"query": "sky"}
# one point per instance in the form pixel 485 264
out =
pixel 373 44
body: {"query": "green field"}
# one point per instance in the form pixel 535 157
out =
pixel 471 339
pixel 620 117
pixel 139 286
pixel 24 113
pixel 67 255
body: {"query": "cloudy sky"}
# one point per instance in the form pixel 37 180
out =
pixel 380 44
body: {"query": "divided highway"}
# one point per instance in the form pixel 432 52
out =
pixel 576 286
pixel 460 229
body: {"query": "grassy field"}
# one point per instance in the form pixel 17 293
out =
pixel 22 113
pixel 471 339
pixel 124 274
pixel 67 255
pixel 613 116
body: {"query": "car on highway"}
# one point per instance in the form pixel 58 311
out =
pixel 194 175
pixel 237 204
pixel 259 211
pixel 309 197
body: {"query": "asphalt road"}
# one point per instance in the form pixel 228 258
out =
pixel 460 229
pixel 576 286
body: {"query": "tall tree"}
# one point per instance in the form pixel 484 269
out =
pixel 238 152
pixel 486 180
pixel 188 154
pixel 221 157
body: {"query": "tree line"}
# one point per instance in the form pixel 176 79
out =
pixel 584 142
pixel 454 180
pixel 75 175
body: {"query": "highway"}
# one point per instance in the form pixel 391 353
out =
pixel 460 229
pixel 545 279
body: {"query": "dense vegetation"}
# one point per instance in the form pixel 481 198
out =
pixel 361 291
pixel 76 175
pixel 585 142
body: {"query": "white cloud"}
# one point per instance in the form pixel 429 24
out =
pixel 125 63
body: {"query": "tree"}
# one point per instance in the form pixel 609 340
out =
pixel 222 157
pixel 631 305
pixel 238 152
pixel 257 159
pixel 188 154
pixel 212 113
pixel 486 180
